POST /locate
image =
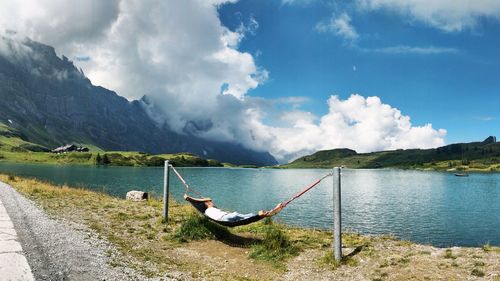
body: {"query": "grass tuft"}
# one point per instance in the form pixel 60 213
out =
pixel 488 248
pixel 448 254
pixel 275 246
pixel 477 272
pixel 330 261
pixel 196 227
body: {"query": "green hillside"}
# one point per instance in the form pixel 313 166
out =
pixel 13 148
pixel 480 156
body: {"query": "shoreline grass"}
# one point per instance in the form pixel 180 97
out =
pixel 266 250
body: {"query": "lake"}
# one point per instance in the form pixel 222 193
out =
pixel 423 206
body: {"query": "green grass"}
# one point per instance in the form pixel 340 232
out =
pixel 329 261
pixel 197 227
pixel 115 158
pixel 275 246
pixel 489 248
pixel 475 156
pixel 13 148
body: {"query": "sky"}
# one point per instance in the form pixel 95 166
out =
pixel 288 76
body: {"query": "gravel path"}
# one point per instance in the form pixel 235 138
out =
pixel 60 250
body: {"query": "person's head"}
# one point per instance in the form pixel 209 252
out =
pixel 209 204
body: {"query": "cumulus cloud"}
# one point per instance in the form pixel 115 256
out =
pixel 359 123
pixel 447 15
pixel 339 25
pixel 196 80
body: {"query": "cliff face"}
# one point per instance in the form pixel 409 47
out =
pixel 51 103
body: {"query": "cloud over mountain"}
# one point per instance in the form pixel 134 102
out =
pixel 196 79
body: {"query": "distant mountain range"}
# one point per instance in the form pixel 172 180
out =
pixel 480 155
pixel 50 102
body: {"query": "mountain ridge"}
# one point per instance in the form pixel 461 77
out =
pixel 51 102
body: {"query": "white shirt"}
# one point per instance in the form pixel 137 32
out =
pixel 214 213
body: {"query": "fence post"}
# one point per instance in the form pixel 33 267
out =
pixel 337 230
pixel 166 187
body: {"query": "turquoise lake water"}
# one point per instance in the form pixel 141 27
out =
pixel 427 207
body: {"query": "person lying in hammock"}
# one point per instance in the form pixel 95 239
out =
pixel 219 215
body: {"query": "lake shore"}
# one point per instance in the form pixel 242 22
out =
pixel 193 161
pixel 200 250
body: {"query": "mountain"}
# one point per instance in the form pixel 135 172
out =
pixel 50 102
pixel 481 155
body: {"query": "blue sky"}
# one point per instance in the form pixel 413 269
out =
pixel 448 78
pixel 290 77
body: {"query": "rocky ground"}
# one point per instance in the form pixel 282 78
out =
pixel 58 249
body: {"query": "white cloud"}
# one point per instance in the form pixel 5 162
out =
pixel 176 52
pixel 295 2
pixel 296 116
pixel 181 56
pixel 340 26
pixel 59 22
pixel 486 118
pixel 362 124
pixel 403 49
pixel 448 15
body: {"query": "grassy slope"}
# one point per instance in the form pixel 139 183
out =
pixel 14 149
pixel 474 156
pixel 258 251
pixel 115 158
pixel 470 156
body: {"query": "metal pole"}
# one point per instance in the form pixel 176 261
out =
pixel 166 186
pixel 337 231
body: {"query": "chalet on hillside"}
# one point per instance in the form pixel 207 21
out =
pixel 70 148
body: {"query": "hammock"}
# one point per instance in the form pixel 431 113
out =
pixel 200 204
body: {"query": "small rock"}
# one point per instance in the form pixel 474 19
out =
pixel 135 195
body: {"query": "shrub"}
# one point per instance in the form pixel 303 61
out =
pixel 155 161
pixel 98 159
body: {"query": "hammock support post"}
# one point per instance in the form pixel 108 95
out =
pixel 337 231
pixel 166 187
